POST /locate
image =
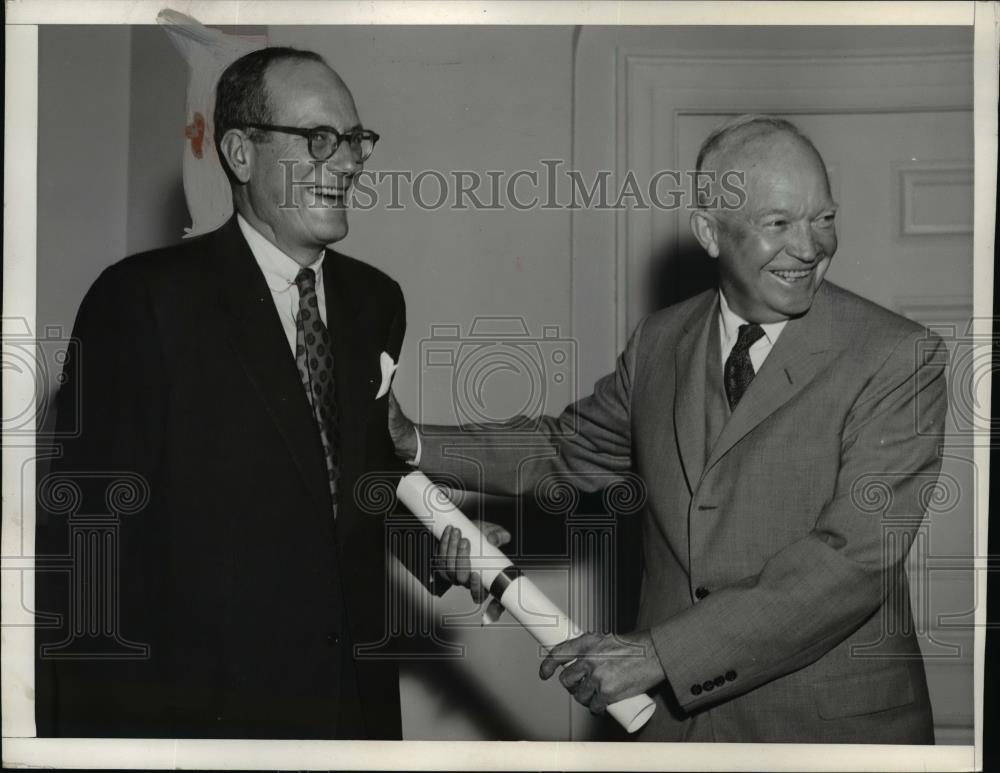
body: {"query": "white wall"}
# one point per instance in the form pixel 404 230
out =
pixel 83 144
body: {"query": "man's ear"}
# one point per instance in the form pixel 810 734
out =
pixel 705 227
pixel 237 151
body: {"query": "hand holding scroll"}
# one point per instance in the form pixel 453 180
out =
pixel 517 594
pixel 603 669
pixel 600 670
pixel 453 557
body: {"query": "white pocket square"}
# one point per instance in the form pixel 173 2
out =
pixel 388 368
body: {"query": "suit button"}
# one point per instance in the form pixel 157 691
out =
pixel 700 592
pixel 719 681
pixel 708 686
pixel 730 675
pixel 696 689
pixel 332 639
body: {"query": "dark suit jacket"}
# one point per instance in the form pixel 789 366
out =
pixel 248 594
pixel 773 579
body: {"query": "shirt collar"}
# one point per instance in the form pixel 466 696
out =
pixel 731 322
pixel 279 269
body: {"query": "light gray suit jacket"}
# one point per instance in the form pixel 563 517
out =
pixel 796 524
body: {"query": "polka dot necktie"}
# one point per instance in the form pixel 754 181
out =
pixel 314 358
pixel 739 369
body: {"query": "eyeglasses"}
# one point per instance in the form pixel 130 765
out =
pixel 324 140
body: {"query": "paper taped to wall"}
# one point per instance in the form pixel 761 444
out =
pixel 208 52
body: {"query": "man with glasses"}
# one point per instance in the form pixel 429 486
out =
pixel 242 374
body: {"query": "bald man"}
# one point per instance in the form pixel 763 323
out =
pixel 775 424
pixel 241 375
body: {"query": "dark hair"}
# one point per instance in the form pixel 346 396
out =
pixel 241 94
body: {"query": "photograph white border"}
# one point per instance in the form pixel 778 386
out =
pixel 21 749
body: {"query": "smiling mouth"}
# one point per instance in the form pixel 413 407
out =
pixel 791 277
pixel 329 196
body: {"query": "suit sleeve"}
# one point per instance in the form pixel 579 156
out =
pixel 815 592
pixel 113 395
pixel 397 326
pixel 108 410
pixel 590 442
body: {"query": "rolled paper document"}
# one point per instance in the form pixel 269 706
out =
pixel 539 616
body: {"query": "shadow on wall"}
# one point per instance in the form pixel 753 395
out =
pixel 678 273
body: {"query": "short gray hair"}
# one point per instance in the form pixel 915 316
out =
pixel 738 132
pixel 742 129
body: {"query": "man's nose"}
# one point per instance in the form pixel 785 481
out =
pixel 803 244
pixel 343 161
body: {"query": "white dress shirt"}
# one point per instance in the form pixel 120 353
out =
pixel 729 331
pixel 279 272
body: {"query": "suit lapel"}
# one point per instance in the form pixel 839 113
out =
pixel 261 346
pixel 350 336
pixel 689 394
pixel 803 347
